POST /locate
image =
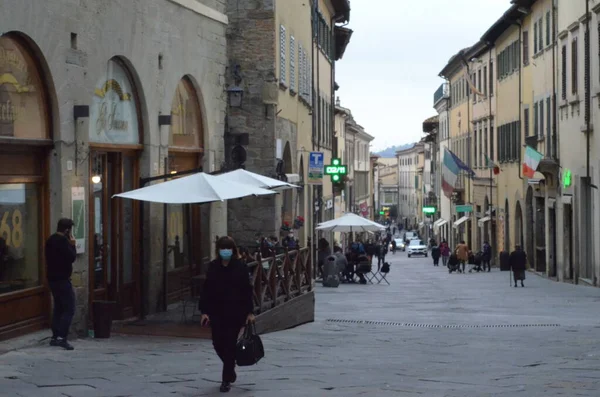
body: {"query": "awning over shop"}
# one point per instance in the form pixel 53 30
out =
pixel 483 220
pixel 440 222
pixel 421 224
pixel 461 221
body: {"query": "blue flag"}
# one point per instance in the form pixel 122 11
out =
pixel 462 165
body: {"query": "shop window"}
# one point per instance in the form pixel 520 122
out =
pixel 23 112
pixel 19 237
pixel 186 125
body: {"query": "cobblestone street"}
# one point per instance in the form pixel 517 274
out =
pixel 428 334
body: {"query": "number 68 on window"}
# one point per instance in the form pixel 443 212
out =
pixel 11 228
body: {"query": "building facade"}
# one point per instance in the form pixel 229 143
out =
pixel 407 187
pixel 360 187
pixel 441 103
pixel 85 93
pixel 387 187
pixel 577 112
pixel 459 119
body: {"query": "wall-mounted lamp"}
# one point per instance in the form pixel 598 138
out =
pixel 235 93
pixel 96 179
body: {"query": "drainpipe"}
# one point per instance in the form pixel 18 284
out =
pixel 520 159
pixel 313 196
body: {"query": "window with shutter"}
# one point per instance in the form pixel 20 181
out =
pixel 282 55
pixel 300 71
pixel 535 38
pixel 541 110
pixel 574 65
pixel 586 73
pixel 292 64
pixel 475 144
pixel 485 140
pixel 491 78
pixel 548 29
pixel 536 115
pixel 526 48
pixel 492 139
pixel 526 121
pixel 549 112
pixel 541 34
pixel 485 86
pixel 564 72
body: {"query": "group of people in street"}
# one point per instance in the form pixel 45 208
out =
pixel 462 255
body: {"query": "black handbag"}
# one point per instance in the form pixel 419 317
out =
pixel 249 349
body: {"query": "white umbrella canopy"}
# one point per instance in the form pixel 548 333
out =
pixel 256 180
pixel 350 223
pixel 194 189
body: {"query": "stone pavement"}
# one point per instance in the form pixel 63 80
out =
pixel 429 334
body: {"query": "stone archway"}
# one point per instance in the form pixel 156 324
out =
pixel 507 246
pixel 529 227
pixel 518 225
pixel 486 225
pixel 287 207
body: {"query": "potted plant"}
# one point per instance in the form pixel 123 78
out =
pixel 298 222
pixel 286 227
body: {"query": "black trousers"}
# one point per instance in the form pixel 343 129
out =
pixel 64 307
pixel 225 333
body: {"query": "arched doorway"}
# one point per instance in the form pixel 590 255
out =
pixel 115 136
pixel 287 207
pixel 507 246
pixel 188 226
pixel 25 143
pixel 529 227
pixel 486 225
pixel 518 225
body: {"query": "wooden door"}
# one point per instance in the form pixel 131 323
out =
pixel 113 233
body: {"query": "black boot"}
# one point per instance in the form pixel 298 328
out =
pixel 522 285
pixel 225 387
pixel 515 285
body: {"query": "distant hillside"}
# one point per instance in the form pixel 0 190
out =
pixel 391 151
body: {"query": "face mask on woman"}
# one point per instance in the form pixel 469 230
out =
pixel 226 254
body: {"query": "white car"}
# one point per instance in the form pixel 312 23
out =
pixel 416 247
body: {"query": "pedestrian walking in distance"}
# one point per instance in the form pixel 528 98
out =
pixel 518 264
pixel 445 252
pixel 226 304
pixel 60 254
pixel 435 254
pixel 462 252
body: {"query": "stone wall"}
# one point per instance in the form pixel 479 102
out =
pixel 251 38
pixel 140 32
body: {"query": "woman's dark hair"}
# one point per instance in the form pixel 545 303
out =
pixel 227 243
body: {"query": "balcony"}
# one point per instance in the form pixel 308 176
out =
pixel 441 93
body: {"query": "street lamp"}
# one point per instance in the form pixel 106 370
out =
pixel 235 93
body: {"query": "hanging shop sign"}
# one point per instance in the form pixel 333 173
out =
pixel 78 216
pixel 113 114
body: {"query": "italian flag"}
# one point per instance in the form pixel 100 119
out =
pixel 532 160
pixel 490 164
pixel 450 172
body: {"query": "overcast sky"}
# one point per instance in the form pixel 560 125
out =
pixel 390 69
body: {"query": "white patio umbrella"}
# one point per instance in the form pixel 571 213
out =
pixel 350 223
pixel 194 189
pixel 256 180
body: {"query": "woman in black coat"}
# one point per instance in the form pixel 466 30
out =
pixel 226 304
pixel 518 264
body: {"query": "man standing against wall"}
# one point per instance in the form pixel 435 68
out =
pixel 60 255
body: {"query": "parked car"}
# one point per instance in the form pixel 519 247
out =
pixel 417 247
